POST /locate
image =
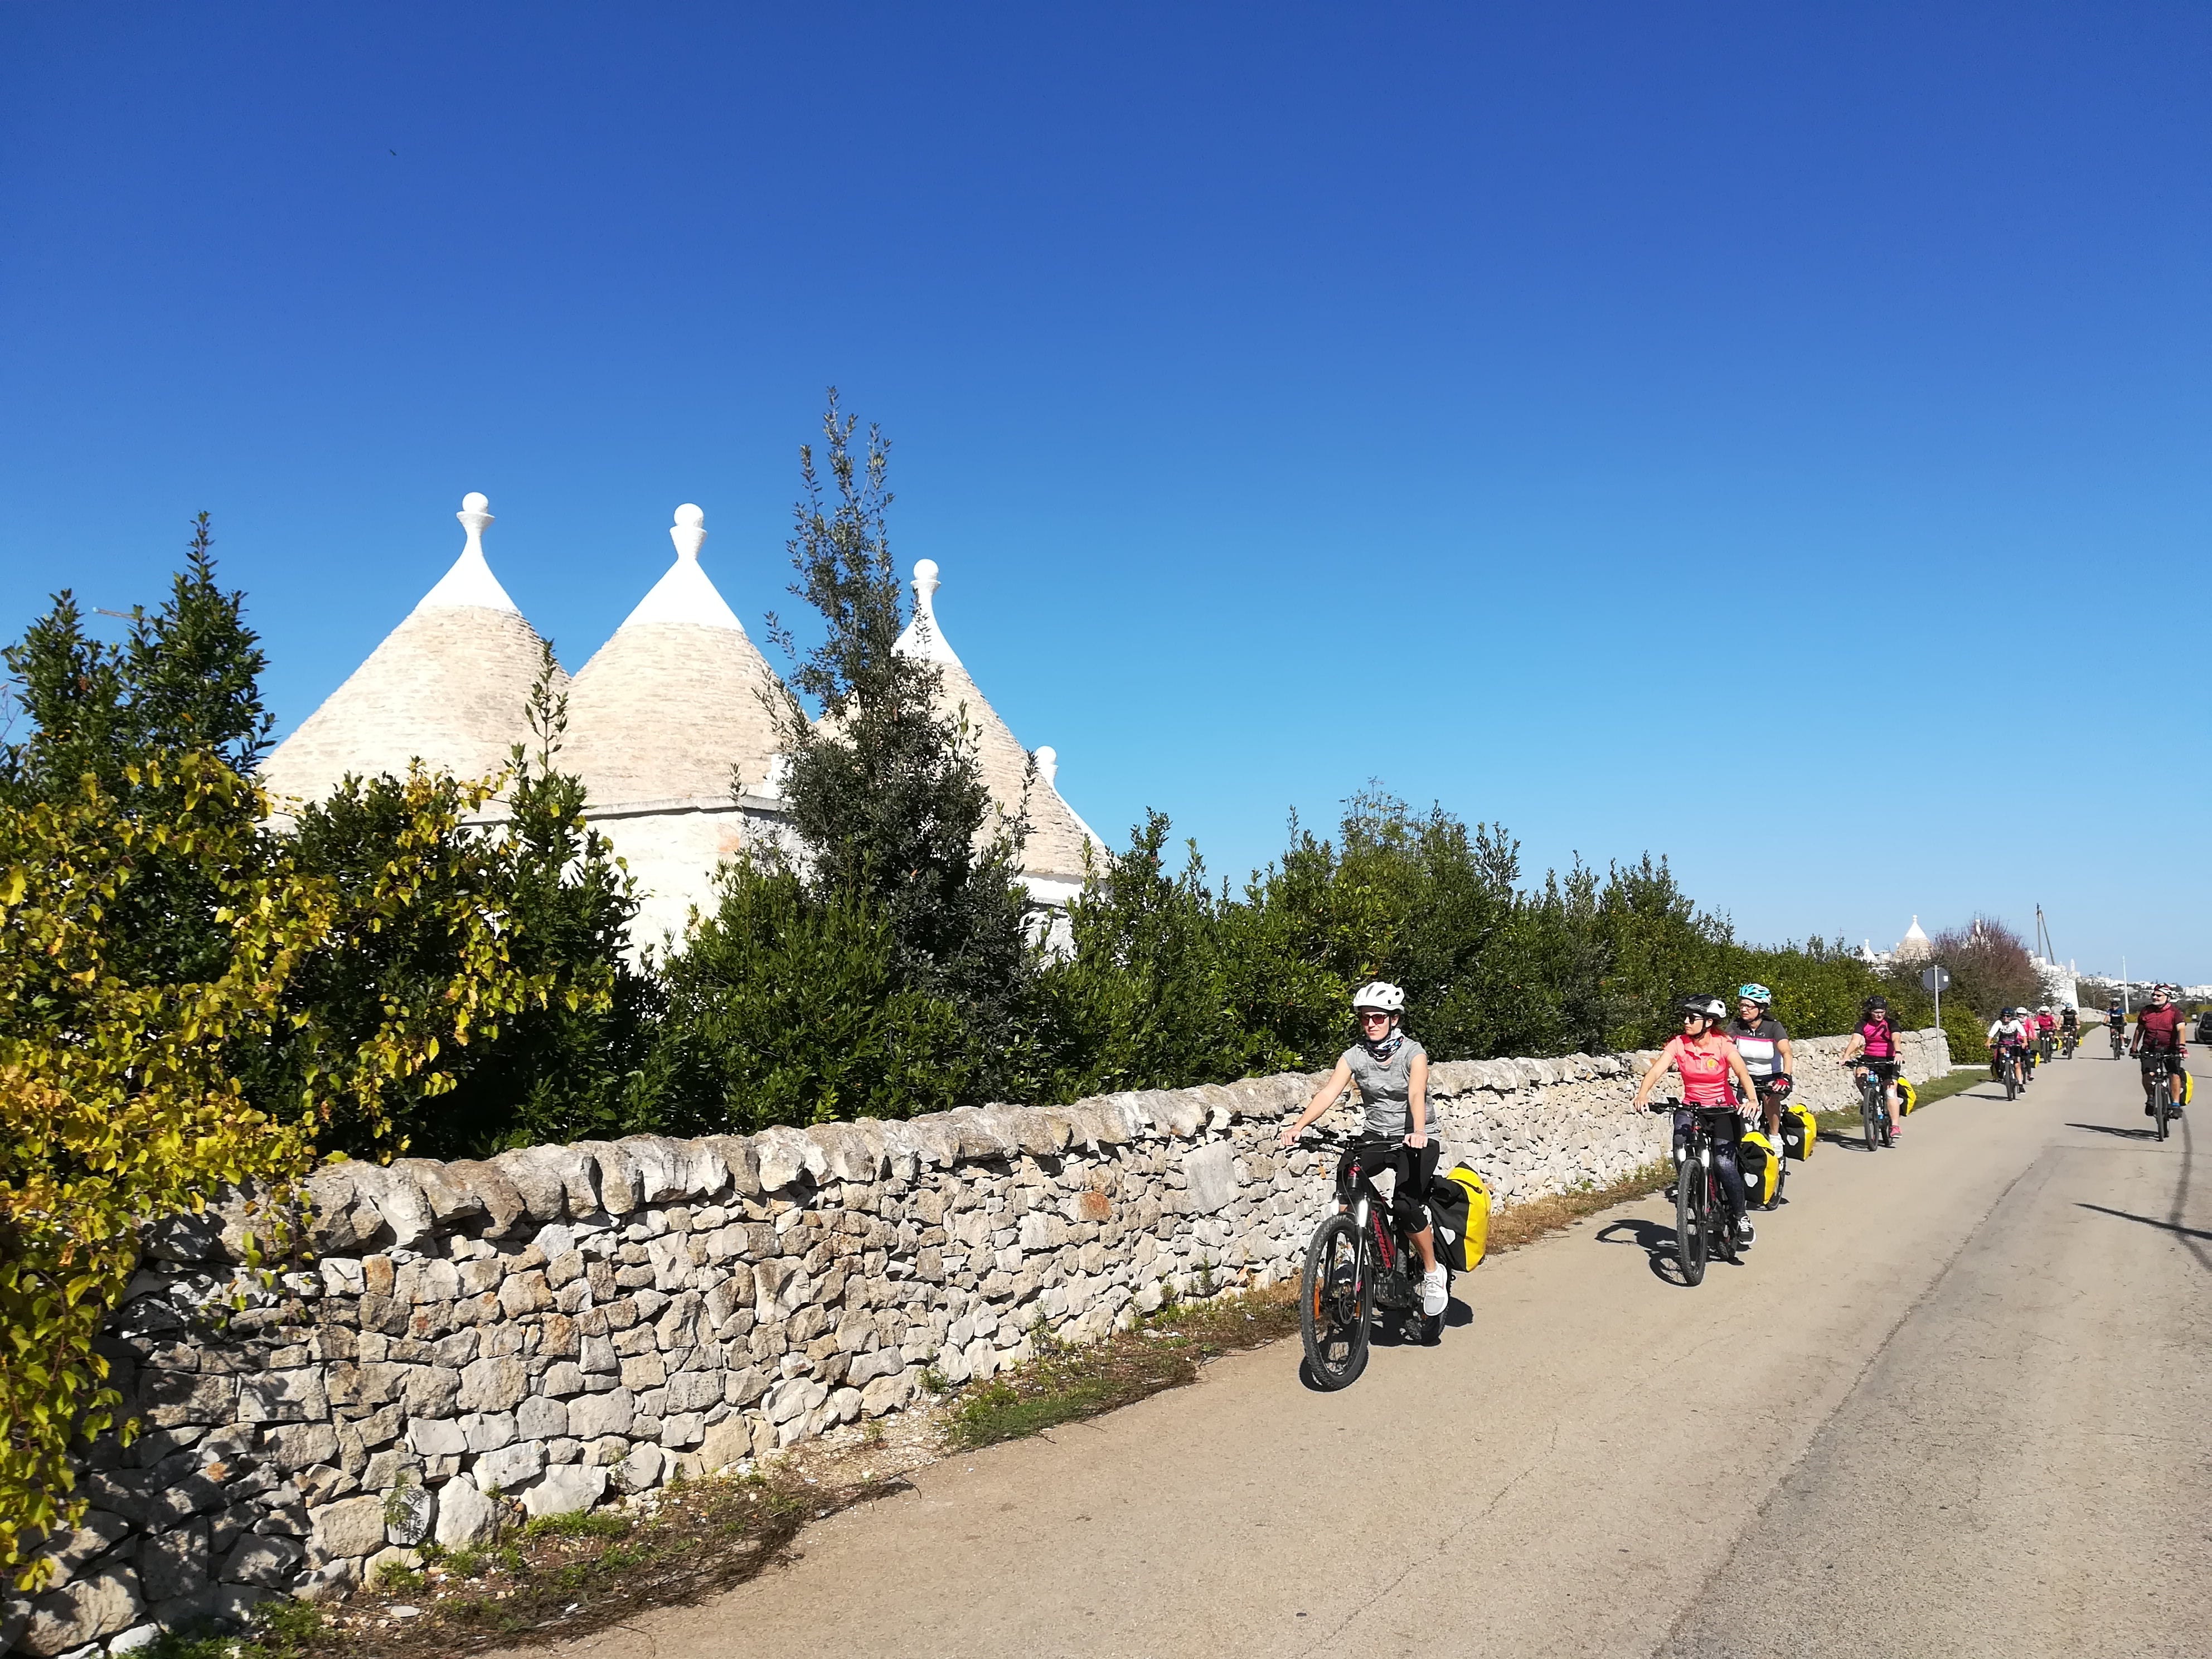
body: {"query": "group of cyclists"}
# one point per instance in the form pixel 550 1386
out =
pixel 1734 1069
pixel 2030 1038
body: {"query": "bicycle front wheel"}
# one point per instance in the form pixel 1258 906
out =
pixel 2160 1104
pixel 2012 1081
pixel 1692 1246
pixel 1870 1114
pixel 1333 1307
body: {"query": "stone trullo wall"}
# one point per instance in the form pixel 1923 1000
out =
pixel 555 1327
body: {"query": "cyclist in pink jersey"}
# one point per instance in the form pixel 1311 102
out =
pixel 1710 1064
pixel 1873 1048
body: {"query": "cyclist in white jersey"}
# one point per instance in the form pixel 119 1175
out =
pixel 1392 1073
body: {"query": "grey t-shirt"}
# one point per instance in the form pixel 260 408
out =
pixel 1386 1088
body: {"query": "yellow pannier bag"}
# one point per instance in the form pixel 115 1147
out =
pixel 1761 1164
pixel 1801 1131
pixel 1908 1097
pixel 2188 1087
pixel 1466 1251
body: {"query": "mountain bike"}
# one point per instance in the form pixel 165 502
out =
pixel 2068 1039
pixel 2012 1065
pixel 1874 1103
pixel 2159 1089
pixel 2120 1038
pixel 1360 1259
pixel 1702 1226
pixel 2045 1044
pixel 1773 1093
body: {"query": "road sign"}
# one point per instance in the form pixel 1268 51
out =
pixel 1935 980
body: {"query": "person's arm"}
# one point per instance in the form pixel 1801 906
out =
pixel 1855 1048
pixel 1749 1103
pixel 1658 1069
pixel 1789 1058
pixel 1330 1092
pixel 1417 1099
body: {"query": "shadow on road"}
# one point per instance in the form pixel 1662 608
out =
pixel 2114 1129
pixel 1657 1243
pixel 2149 1221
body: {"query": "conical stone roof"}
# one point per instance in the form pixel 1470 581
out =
pixel 1057 835
pixel 668 707
pixel 450 686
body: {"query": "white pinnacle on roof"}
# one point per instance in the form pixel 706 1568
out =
pixel 1915 943
pixel 1057 836
pixel 671 708
pixel 923 637
pixel 450 686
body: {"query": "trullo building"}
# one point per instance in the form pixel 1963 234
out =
pixel 669 726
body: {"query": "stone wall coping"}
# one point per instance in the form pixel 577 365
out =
pixel 360 1205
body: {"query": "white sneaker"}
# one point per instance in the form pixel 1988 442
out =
pixel 1433 1297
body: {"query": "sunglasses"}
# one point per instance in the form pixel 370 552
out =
pixel 1375 1019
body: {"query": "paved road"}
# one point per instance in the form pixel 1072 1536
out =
pixel 1955 1402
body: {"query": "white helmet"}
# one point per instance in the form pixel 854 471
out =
pixel 1379 994
pixel 2044 1009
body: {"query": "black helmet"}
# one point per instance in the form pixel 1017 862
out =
pixel 1701 1006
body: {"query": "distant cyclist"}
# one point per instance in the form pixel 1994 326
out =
pixel 2046 1031
pixel 1392 1071
pixel 1709 1063
pixel 2157 1031
pixel 2070 1022
pixel 1874 1048
pixel 1765 1046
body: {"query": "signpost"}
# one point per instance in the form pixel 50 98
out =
pixel 1938 981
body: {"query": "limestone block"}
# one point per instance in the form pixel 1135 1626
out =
pixel 399 1201
pixel 565 1489
pixel 452 1204
pixel 505 1211
pixel 104 1603
pixel 640 1470
pixel 618 1181
pixel 682 1429
pixel 176 1562
pixel 283 1396
pixel 465 1516
pixel 492 1384
pixel 483 1432
pixel 847 1153
pixel 593 1415
pixel 435 1437
pixel 510 1466
pixel 536 1183
pixel 350 1528
pixel 408 1513
pixel 542 1418
pixel 1211 1177
pixel 784 1155
pixel 739 1160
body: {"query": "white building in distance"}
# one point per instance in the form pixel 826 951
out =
pixel 669 726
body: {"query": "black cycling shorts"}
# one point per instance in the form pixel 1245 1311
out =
pixel 2173 1061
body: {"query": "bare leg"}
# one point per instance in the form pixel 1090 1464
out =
pixel 1425 1243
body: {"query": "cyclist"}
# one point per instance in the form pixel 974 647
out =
pixel 2069 1023
pixel 1765 1046
pixel 2009 1031
pixel 1392 1072
pixel 2116 1024
pixel 2157 1031
pixel 2046 1031
pixel 1874 1046
pixel 1708 1062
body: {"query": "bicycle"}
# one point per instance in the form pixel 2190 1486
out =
pixel 1873 1103
pixel 2068 1042
pixel 2119 1039
pixel 2012 1066
pixel 1354 1264
pixel 2044 1044
pixel 1772 1091
pixel 2159 1088
pixel 1702 1227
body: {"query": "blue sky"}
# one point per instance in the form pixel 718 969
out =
pixel 1732 431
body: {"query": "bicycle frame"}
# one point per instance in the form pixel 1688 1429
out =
pixel 1392 1248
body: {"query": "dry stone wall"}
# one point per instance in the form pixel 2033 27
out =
pixel 553 1329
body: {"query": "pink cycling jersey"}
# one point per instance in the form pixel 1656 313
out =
pixel 1705 1072
pixel 1881 1041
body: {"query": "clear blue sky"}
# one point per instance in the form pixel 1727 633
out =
pixel 1725 430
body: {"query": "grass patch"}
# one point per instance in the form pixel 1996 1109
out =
pixel 1517 1224
pixel 557 1578
pixel 1846 1122
pixel 1065 1384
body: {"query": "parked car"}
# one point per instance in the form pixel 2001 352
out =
pixel 2204 1026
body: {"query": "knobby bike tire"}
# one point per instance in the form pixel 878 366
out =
pixel 1867 1114
pixel 1691 1244
pixel 1332 1321
pixel 1718 1226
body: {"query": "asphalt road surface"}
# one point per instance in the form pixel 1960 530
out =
pixel 1955 1402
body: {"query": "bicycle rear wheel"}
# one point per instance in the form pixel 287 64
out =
pixel 1692 1247
pixel 1333 1306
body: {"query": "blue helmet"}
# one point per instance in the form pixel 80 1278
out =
pixel 1758 994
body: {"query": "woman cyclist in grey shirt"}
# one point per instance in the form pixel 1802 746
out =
pixel 1392 1073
